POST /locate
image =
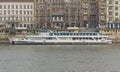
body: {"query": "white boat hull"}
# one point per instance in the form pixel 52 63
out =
pixel 55 42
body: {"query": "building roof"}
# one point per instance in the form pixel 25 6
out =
pixel 16 0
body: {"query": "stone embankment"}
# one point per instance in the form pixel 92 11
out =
pixel 4 38
pixel 115 38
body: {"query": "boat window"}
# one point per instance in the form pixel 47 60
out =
pixel 67 33
pixel 74 33
pixel 87 38
pixel 57 34
pixel 64 34
pixel 91 39
pixel 80 38
pixel 94 34
pixel 50 38
pixel 96 38
pixel 80 33
pixel 86 34
pixel 51 34
pixel 83 38
pixel 61 33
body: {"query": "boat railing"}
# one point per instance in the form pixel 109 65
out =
pixel 54 35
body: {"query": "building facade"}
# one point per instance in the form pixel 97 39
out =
pixel 17 14
pixel 89 13
pixel 102 7
pixel 113 14
pixel 66 13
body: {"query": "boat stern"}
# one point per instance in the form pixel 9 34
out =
pixel 13 40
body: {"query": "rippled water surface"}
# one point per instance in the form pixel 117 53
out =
pixel 60 58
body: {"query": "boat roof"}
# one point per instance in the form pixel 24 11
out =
pixel 77 32
pixel 50 31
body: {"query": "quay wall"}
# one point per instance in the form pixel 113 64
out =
pixel 115 38
pixel 4 38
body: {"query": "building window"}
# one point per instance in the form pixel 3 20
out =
pixel 110 13
pixel 24 12
pixel 93 11
pixel 20 18
pixel 16 25
pixel 0 12
pixel 116 14
pixel 110 7
pixel 84 17
pixel 8 6
pixel 12 11
pixel 16 12
pixel 31 7
pixel 110 19
pixel 16 18
pixel 24 18
pixel 24 6
pixel 20 12
pixel 20 6
pixel 20 25
pixel 31 12
pixel 116 19
pixel 31 19
pixel 36 0
pixel 28 19
pixel 0 6
pixel 110 1
pixel 4 6
pixel 12 6
pixel 24 25
pixel 116 8
pixel 27 12
pixel 4 12
pixel 116 2
pixel 16 6
pixel 9 12
pixel 8 18
pixel 31 25
pixel 0 18
pixel 27 6
pixel 12 18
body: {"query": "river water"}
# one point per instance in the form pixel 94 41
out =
pixel 60 58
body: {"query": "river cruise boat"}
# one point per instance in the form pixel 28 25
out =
pixel 71 38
